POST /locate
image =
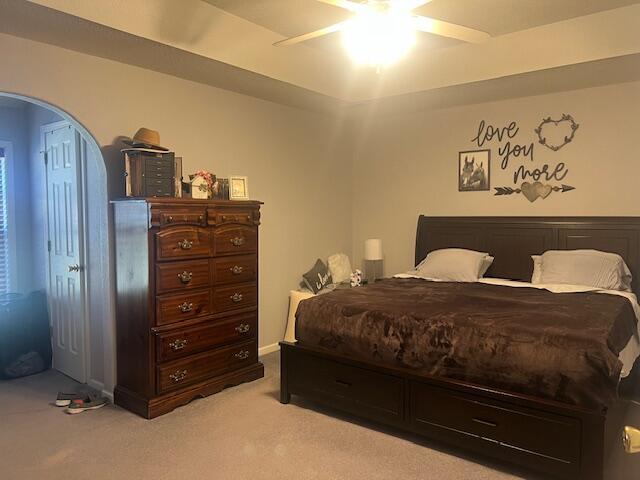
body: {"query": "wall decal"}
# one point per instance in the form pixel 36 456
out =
pixel 533 191
pixel 506 150
pixel 473 170
pixel 555 134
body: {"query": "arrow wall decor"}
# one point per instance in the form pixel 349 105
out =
pixel 533 191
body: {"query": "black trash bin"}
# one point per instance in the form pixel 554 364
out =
pixel 25 339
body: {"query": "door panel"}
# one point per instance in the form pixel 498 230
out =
pixel 66 272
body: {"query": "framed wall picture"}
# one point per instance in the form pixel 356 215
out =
pixel 238 188
pixel 474 167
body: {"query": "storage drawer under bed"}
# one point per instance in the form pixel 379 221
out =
pixel 356 390
pixel 484 424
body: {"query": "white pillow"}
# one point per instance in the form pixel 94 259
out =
pixel 339 267
pixel 452 265
pixel 537 269
pixel 585 267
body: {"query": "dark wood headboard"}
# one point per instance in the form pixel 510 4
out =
pixel 512 240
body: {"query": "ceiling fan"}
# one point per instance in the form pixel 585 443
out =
pixel 381 31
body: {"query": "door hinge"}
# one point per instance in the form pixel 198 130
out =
pixel 48 245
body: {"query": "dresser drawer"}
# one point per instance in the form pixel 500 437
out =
pixel 234 296
pixel 187 341
pixel 235 269
pixel 442 412
pixel 183 306
pixel 242 217
pixel 357 390
pixel 182 242
pixel 176 276
pixel 235 239
pixel 201 366
pixel 178 217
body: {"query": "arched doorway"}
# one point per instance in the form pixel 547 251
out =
pixel 96 347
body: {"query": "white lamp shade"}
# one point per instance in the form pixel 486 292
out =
pixel 373 249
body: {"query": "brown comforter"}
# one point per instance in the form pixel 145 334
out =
pixel 558 346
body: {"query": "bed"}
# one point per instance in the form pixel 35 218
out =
pixel 553 420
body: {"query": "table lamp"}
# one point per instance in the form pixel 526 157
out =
pixel 373 259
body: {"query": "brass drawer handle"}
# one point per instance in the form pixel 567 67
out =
pixel 185 277
pixel 169 219
pixel 243 328
pixel 242 355
pixel 185 244
pixel 178 344
pixel 178 376
pixel 185 307
pixel 236 297
pixel 237 241
pixel 200 218
pixel 236 269
pixel 249 217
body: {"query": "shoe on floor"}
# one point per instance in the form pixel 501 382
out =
pixel 64 399
pixel 80 405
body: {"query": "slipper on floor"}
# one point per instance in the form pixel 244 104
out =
pixel 64 399
pixel 79 405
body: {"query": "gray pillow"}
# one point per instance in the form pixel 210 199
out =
pixel 318 277
pixel 453 265
pixel 592 268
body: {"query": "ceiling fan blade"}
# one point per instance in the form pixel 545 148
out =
pixel 346 4
pixel 451 30
pixel 413 4
pixel 308 36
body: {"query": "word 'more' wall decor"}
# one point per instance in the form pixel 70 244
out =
pixel 531 181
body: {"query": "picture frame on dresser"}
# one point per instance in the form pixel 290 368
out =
pixel 238 188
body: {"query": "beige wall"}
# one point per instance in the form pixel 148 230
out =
pixel 289 155
pixel 406 165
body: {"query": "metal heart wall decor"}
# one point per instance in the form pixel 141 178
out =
pixel 533 191
pixel 555 134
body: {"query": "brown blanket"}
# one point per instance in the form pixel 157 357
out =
pixel 558 346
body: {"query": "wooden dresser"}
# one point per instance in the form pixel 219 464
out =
pixel 187 300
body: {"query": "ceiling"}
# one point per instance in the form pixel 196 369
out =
pixel 539 46
pixel 496 17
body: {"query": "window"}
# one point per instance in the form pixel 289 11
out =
pixel 5 263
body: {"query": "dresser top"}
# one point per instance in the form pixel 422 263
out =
pixel 173 201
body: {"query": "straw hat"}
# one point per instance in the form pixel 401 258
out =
pixel 147 140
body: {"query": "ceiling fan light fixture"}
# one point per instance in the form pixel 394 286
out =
pixel 379 37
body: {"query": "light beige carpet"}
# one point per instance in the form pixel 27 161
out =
pixel 241 433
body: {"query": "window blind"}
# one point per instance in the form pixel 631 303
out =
pixel 4 233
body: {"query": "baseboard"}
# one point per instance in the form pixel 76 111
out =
pixel 99 386
pixel 274 347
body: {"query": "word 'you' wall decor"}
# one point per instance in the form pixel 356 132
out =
pixel 531 180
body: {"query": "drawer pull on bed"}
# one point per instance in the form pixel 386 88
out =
pixel 185 307
pixel 242 355
pixel 485 422
pixel 178 376
pixel 236 269
pixel 185 244
pixel 185 277
pixel 178 344
pixel 243 328
pixel 342 383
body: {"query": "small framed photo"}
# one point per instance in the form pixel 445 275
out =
pixel 474 167
pixel 238 188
